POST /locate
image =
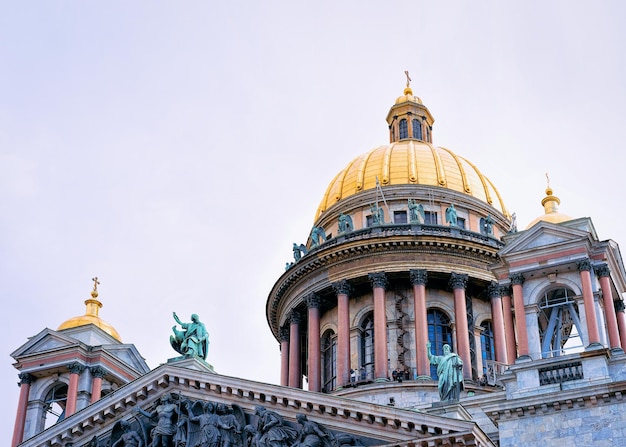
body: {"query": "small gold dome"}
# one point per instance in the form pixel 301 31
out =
pixel 408 97
pixel 411 162
pixel 551 214
pixel 91 316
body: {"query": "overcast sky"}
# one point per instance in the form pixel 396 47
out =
pixel 177 150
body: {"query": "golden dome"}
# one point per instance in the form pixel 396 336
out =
pixel 91 316
pixel 551 214
pixel 408 97
pixel 411 162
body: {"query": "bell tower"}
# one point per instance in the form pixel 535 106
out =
pixel 63 371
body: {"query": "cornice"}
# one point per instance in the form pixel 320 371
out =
pixel 558 401
pixel 377 421
pixel 378 242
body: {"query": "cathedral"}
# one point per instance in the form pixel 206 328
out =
pixel 416 313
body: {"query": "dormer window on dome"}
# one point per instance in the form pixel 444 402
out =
pixel 408 118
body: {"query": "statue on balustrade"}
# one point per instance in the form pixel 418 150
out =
pixel 193 340
pixel 317 236
pixel 451 216
pixel 449 372
pixel 416 212
pixel 345 223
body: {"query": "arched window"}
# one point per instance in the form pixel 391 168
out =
pixel 55 402
pixel 487 347
pixel 559 324
pixel 439 334
pixel 417 129
pixel 329 359
pixel 403 129
pixel 367 347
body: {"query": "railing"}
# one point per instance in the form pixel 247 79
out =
pixel 564 372
pixel 410 230
pixel 493 372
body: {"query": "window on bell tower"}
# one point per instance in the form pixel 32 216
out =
pixel 417 129
pixel 403 128
pixel 560 328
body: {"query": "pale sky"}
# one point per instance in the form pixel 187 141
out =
pixel 177 150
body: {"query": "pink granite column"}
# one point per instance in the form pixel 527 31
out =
pixel 584 267
pixel 295 374
pixel 458 282
pixel 609 308
pixel 621 320
pixel 72 390
pixel 284 356
pixel 517 281
pixel 342 289
pixel 381 357
pixel 418 280
pixel 97 373
pixel 497 315
pixel 314 360
pixel 22 406
pixel 509 328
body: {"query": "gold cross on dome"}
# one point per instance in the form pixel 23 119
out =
pixel 408 78
pixel 95 283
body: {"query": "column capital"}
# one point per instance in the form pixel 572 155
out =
pixel 583 265
pixel 495 290
pixel 312 301
pixel 284 333
pixel 418 277
pixel 76 368
pixel 342 287
pixel 98 371
pixel 26 379
pixel 619 305
pixel 602 270
pixel 517 279
pixel 458 280
pixel 378 279
pixel 294 317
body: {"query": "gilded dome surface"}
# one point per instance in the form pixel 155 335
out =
pixel 411 162
pixel 551 214
pixel 91 317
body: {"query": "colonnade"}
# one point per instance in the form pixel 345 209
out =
pixel 508 311
pixel 290 336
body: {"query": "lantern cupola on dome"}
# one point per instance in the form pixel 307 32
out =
pixel 409 118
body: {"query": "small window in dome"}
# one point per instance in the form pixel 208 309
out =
pixel 460 222
pixel 417 129
pixel 430 218
pixel 399 217
pixel 403 129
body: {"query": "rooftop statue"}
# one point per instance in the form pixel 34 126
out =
pixel 449 371
pixel 193 340
pixel 378 214
pixel 416 212
pixel 345 223
pixel 451 215
pixel 318 236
